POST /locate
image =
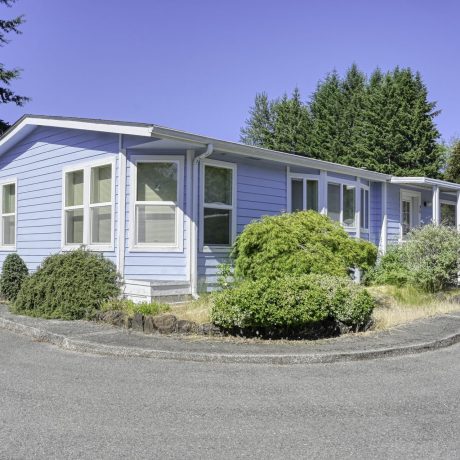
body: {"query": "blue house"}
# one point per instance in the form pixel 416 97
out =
pixel 165 205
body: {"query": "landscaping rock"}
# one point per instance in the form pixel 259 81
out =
pixel 138 322
pixel 166 324
pixel 209 329
pixel 184 326
pixel 115 317
pixel 149 326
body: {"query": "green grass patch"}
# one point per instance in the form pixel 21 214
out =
pixel 131 308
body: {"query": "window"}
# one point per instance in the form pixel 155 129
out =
pixel 304 194
pixel 8 203
pixel 88 206
pixel 448 214
pixel 157 203
pixel 218 204
pixel 341 203
pixel 364 212
pixel 410 211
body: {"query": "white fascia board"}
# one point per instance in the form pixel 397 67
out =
pixel 28 123
pixel 425 181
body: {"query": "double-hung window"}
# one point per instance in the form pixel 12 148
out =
pixel 364 212
pixel 341 203
pixel 88 206
pixel 304 193
pixel 218 200
pixel 157 203
pixel 8 211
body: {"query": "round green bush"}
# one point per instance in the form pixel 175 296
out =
pixel 72 285
pixel 391 269
pixel 291 302
pixel 296 244
pixel 14 272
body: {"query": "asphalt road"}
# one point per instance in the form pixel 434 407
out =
pixel 57 404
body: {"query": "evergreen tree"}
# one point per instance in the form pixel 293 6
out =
pixel 326 111
pixel 259 130
pixel 452 172
pixel 384 123
pixel 7 95
pixel 291 124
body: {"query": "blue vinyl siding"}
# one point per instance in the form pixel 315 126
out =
pixel 37 163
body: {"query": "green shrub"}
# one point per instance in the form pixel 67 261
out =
pixel 428 260
pixel 391 268
pixel 291 302
pixel 69 286
pixel 131 308
pixel 296 244
pixel 431 255
pixel 14 272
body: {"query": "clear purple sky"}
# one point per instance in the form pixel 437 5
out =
pixel 196 65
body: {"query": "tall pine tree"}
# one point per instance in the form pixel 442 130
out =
pixel 452 172
pixel 384 123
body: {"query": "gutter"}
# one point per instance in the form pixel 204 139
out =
pixel 194 226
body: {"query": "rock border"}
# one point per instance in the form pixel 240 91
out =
pixel 166 323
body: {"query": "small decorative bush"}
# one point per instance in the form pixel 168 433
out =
pixel 391 269
pixel 296 244
pixel 14 272
pixel 72 285
pixel 131 308
pixel 292 302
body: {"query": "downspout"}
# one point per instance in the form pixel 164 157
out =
pixel 195 216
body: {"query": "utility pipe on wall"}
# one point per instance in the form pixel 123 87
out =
pixel 195 216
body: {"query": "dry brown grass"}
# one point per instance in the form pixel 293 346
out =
pixel 196 310
pixel 402 305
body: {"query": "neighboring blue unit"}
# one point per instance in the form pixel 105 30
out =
pixel 166 206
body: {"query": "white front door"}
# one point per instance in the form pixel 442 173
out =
pixel 410 211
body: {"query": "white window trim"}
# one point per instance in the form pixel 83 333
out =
pixel 403 195
pixel 8 181
pixel 233 207
pixel 304 178
pixel 178 246
pixel 342 182
pixel 366 188
pixel 86 167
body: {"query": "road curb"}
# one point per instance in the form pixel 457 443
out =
pixel 85 346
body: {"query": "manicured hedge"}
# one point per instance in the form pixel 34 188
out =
pixel 296 244
pixel 71 285
pixel 292 302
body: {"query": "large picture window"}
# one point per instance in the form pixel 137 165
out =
pixel 8 211
pixel 88 206
pixel 218 204
pixel 304 194
pixel 341 203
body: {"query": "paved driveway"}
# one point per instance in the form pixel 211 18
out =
pixel 57 404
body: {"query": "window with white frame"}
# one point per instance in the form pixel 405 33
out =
pixel 364 211
pixel 304 194
pixel 218 204
pixel 8 203
pixel 88 205
pixel 410 211
pixel 341 203
pixel 156 205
